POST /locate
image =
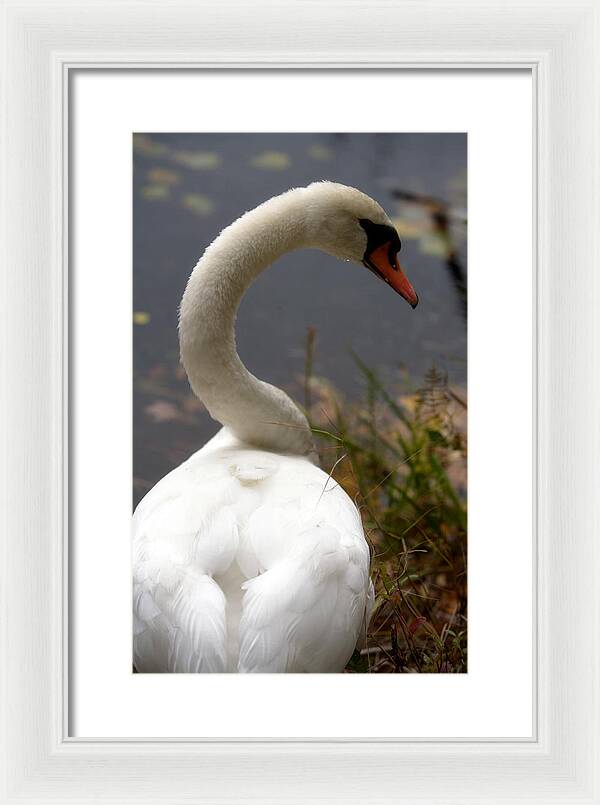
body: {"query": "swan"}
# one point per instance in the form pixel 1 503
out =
pixel 248 557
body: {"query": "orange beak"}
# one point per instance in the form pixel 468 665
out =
pixel 383 262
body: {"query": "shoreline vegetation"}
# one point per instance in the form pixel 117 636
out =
pixel 402 457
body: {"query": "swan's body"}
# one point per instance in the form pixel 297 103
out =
pixel 252 561
pixel 248 557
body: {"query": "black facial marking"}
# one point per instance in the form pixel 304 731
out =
pixel 377 235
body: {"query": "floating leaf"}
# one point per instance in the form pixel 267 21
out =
pixel 198 160
pixel 155 192
pixel 145 145
pixel 271 160
pixel 320 152
pixel 198 204
pixel 162 411
pixel 163 176
pixel 141 317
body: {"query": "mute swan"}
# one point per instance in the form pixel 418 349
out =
pixel 248 557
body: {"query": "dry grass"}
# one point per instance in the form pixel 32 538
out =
pixel 402 457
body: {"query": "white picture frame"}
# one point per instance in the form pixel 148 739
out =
pixel 43 42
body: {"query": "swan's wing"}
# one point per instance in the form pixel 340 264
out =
pixel 305 610
pixel 182 628
pixel 186 532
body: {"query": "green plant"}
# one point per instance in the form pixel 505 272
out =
pixel 402 457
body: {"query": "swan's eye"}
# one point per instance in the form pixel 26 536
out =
pixel 378 236
pixel 381 257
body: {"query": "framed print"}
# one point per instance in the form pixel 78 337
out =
pixel 104 652
pixel 315 616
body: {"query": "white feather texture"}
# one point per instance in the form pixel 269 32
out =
pixel 248 557
pixel 247 561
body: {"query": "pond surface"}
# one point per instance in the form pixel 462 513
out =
pixel 187 187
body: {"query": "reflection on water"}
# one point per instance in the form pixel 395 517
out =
pixel 187 187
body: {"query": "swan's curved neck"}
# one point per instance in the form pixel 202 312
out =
pixel 256 412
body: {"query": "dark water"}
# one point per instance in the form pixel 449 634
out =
pixel 187 187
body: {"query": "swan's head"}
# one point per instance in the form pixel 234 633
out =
pixel 352 226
